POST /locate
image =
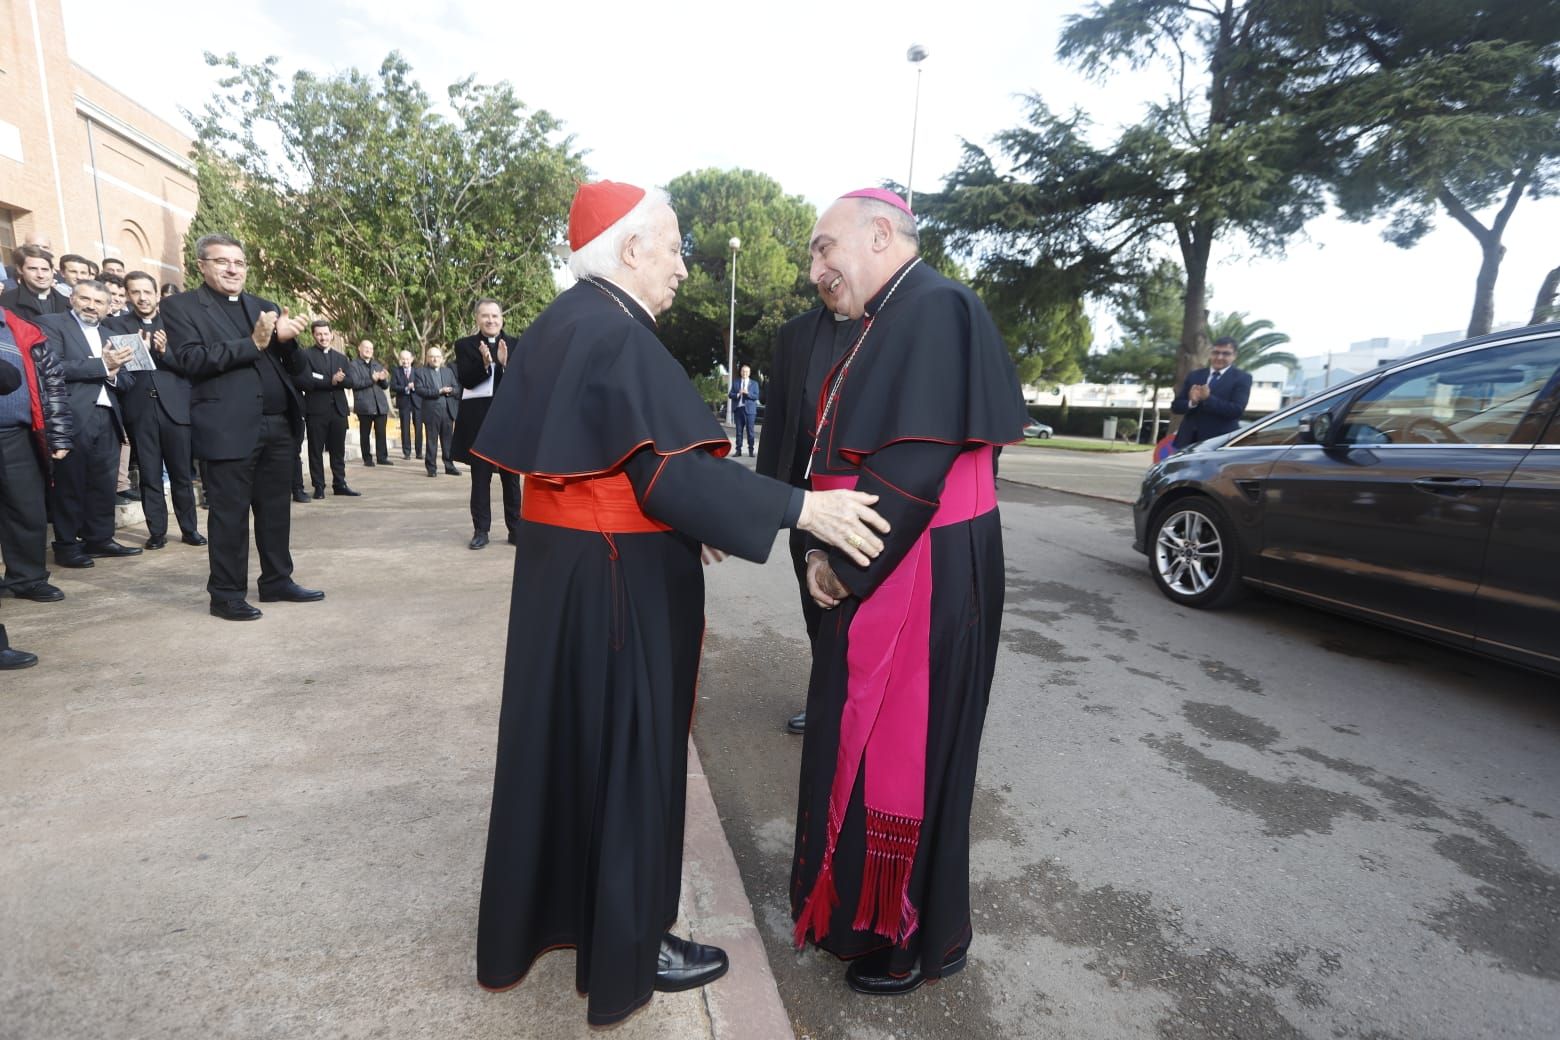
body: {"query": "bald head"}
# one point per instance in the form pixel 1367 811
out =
pixel 856 247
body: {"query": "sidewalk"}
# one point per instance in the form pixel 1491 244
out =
pixel 1112 476
pixel 276 829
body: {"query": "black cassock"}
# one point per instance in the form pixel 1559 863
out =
pixel 586 833
pixel 918 410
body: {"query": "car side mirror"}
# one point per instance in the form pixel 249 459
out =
pixel 1317 427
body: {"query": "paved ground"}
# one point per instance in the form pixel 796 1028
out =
pixel 275 829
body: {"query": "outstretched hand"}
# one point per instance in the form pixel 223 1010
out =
pixel 845 520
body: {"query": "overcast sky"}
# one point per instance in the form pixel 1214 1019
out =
pixel 820 98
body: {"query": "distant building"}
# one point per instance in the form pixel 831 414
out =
pixel 80 162
pixel 1325 370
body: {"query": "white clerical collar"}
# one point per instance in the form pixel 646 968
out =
pixel 232 299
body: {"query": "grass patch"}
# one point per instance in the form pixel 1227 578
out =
pixel 1084 444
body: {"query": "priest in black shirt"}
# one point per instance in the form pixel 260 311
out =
pixel 34 295
pixel 239 351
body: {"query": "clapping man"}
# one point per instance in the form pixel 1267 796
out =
pixel 321 374
pixel 438 396
pixel 479 365
pixel 368 378
pixel 744 407
pixel 403 386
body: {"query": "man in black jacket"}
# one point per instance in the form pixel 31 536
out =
pixel 10 382
pixel 437 405
pixel 157 412
pixel 1214 398
pixel 36 431
pixel 321 373
pixel 479 365
pixel 34 295
pixel 82 503
pixel 403 385
pixel 247 418
pixel 367 378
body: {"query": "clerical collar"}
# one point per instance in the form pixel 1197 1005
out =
pixel 602 283
pixel 880 300
pixel 232 299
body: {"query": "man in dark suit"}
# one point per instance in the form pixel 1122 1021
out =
pixel 247 418
pixel 806 348
pixel 321 373
pixel 157 412
pixel 438 393
pixel 403 386
pixel 82 503
pixel 479 365
pixel 35 295
pixel 367 378
pixel 744 406
pixel 1214 398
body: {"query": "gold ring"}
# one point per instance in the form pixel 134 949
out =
pixel 855 541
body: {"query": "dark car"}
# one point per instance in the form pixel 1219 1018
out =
pixel 1424 496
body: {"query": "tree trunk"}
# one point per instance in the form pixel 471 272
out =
pixel 1548 295
pixel 1483 315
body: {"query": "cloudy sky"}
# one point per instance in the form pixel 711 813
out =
pixel 820 98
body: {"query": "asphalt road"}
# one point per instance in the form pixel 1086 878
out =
pixel 1260 823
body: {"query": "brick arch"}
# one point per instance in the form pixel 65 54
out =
pixel 132 243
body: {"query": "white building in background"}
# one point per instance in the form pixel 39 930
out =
pixel 1324 370
pixel 1267 393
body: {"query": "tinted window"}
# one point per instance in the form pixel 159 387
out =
pixel 1281 431
pixel 1479 397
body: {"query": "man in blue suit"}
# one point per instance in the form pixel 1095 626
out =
pixel 744 406
pixel 1214 398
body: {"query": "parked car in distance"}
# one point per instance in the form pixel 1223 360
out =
pixel 1038 430
pixel 1424 495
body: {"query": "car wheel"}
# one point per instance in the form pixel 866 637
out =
pixel 1045 435
pixel 1193 555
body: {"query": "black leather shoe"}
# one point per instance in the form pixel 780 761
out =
pixel 39 592
pixel 478 540
pixel 386 462
pixel 10 659
pixel 157 541
pixel 433 473
pixel 685 964
pixel 76 560
pixel 796 723
pixel 319 493
pixel 234 610
pixel 302 496
pixel 344 490
pixel 870 974
pixel 110 548
pixel 193 538
pixel 514 537
pixel 452 471
pixel 292 593
pixel 368 462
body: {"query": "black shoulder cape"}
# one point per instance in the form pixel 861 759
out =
pixel 588 384
pixel 932 368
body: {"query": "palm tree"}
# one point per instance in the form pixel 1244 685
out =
pixel 1254 342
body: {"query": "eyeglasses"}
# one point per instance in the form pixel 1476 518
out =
pixel 223 263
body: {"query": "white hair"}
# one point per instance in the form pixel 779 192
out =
pixel 602 256
pixel 903 223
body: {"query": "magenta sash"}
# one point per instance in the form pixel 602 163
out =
pixel 888 667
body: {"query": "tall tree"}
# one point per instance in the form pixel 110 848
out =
pixel 1150 315
pixel 384 211
pixel 1224 155
pixel 714 206
pixel 1255 341
pixel 1447 105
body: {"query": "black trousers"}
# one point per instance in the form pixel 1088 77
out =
pixel 258 485
pixel 327 433
pixel 437 431
pixel 162 443
pixel 375 424
pixel 82 503
pixel 482 495
pixel 811 612
pixel 411 433
pixel 24 510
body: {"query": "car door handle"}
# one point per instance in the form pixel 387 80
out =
pixel 1448 485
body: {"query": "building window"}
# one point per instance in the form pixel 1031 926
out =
pixel 7 234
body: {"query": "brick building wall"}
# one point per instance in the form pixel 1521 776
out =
pixel 79 161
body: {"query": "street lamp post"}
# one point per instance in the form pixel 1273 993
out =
pixel 915 55
pixel 731 332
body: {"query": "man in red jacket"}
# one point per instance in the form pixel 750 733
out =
pixel 35 430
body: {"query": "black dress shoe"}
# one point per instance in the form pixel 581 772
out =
pixel 452 471
pixel 870 974
pixel 292 593
pixel 157 541
pixel 193 538
pixel 39 592
pixel 478 540
pixel 319 493
pixel 685 964
pixel 302 496
pixel 514 537
pixel 386 462
pixel 10 659
pixel 796 723
pixel 433 473
pixel 234 610
pixel 110 548
pixel 368 462
pixel 344 490
pixel 76 560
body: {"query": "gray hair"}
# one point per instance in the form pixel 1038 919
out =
pixel 902 222
pixel 206 241
pixel 94 285
pixel 602 256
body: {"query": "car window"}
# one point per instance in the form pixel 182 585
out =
pixel 1478 397
pixel 1279 431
